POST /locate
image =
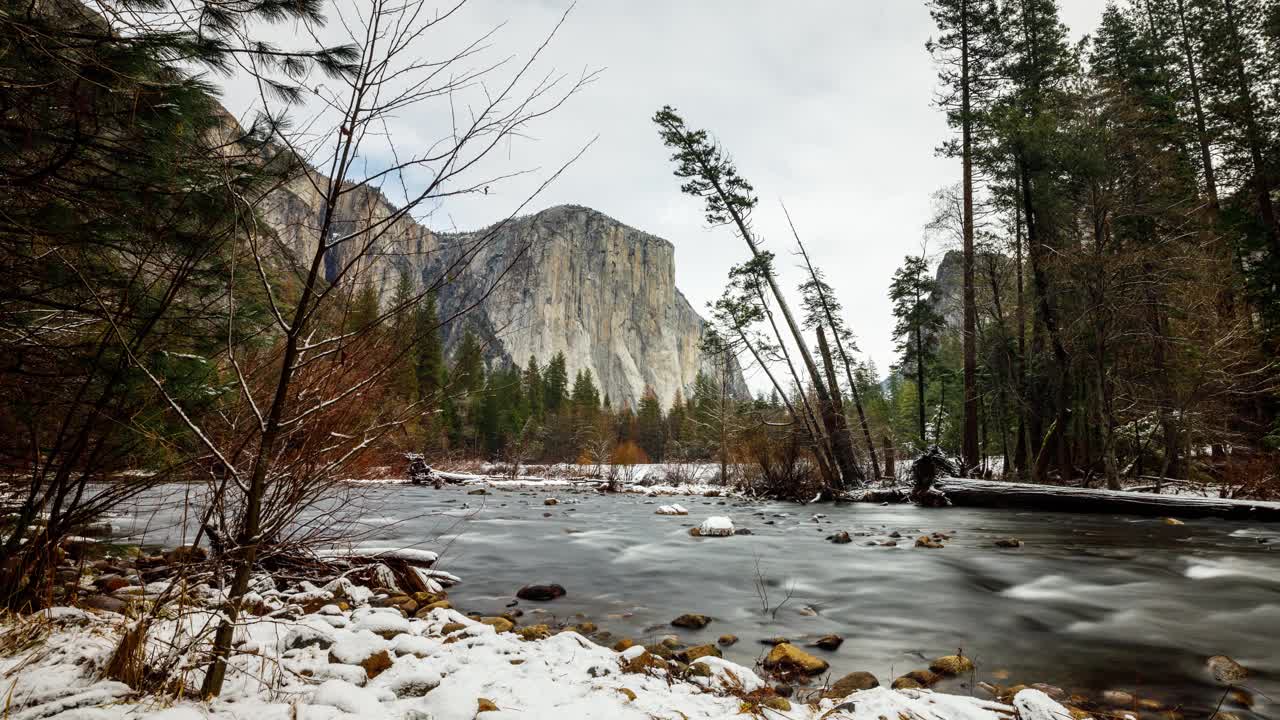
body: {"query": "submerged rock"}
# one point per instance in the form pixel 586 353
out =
pixel 829 642
pixel 1009 543
pixel 692 621
pixel 541 593
pixel 925 541
pixel 840 538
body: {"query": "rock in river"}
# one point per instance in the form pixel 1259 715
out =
pixel 951 665
pixel 1227 671
pixel 828 642
pixel 840 538
pixel 692 621
pixel 716 526
pixel 851 683
pixel 789 658
pixel 541 593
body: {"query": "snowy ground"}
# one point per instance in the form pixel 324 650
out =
pixel 374 663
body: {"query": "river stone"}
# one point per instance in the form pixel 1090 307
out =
pixel 1227 671
pixel 1119 698
pixel 535 632
pixel 693 621
pixel 840 538
pixel 480 491
pixel 828 642
pixel 499 624
pixel 715 526
pixel 851 683
pixel 727 640
pixel 925 541
pixel 916 679
pixel 777 703
pixel 551 501
pixel 688 655
pixel 1009 543
pixel 951 665
pixel 789 658
pixel 541 593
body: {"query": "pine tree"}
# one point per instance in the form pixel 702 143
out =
pixel 556 383
pixel 534 391
pixel 364 310
pixel 651 433
pixel 429 356
pixel 917 328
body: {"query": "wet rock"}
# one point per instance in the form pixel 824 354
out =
pixel 551 501
pixel 789 658
pixel 840 538
pixel 688 655
pixel 1008 543
pixel 624 644
pixel 1053 691
pixel 644 662
pixel 851 683
pixel 499 624
pixel 775 640
pixel 780 704
pixel 1146 704
pixel 916 679
pixel 828 642
pixel 478 491
pixel 742 531
pixel 925 541
pixel 727 640
pixel 426 610
pixel 1171 521
pixel 895 534
pixel 1227 671
pixel 541 593
pixel 1119 698
pixel 452 627
pixel 951 665
pixel 692 621
pixel 784 690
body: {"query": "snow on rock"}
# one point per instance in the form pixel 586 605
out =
pixel 727 675
pixel 716 526
pixel 348 698
pixel 384 623
pixel 1033 704
pixel 352 648
pixel 672 510
pixel 882 702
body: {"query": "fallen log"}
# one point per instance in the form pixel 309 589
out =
pixel 989 493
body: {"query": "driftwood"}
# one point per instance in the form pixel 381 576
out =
pixel 987 493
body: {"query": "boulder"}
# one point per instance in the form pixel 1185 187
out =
pixel 111 583
pixel 727 640
pixel 480 491
pixel 672 510
pixel 1227 671
pixel 551 501
pixel 643 663
pixel 499 624
pixel 688 655
pixel 788 658
pixel 105 602
pixel 624 644
pixel 303 636
pixel 692 621
pixel 951 665
pixel 851 683
pixel 534 632
pixel 186 554
pixel 840 538
pixel 925 541
pixel 1008 543
pixel 916 679
pixel 541 593
pixel 716 526
pixel 828 642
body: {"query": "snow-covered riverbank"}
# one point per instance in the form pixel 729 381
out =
pixel 373 662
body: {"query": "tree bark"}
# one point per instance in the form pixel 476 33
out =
pixel 970 427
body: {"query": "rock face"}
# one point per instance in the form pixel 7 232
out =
pixel 568 279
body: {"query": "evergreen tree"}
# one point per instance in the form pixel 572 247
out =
pixel 917 328
pixel 429 356
pixel 534 391
pixel 556 383
pixel 651 433
pixel 365 309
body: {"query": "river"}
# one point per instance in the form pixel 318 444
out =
pixel 1088 603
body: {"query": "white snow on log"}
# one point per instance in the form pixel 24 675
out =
pixel 716 526
pixel 672 510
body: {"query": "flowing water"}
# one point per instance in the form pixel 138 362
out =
pixel 1088 603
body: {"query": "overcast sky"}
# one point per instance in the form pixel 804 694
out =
pixel 824 105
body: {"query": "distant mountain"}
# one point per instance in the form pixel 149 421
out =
pixel 584 284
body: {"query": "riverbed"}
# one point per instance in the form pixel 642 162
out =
pixel 1089 603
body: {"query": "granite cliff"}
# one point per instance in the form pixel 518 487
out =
pixel 568 279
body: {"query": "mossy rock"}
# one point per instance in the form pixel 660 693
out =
pixel 952 665
pixel 788 658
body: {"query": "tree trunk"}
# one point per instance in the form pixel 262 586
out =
pixel 842 438
pixel 1261 184
pixel 991 494
pixel 970 427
